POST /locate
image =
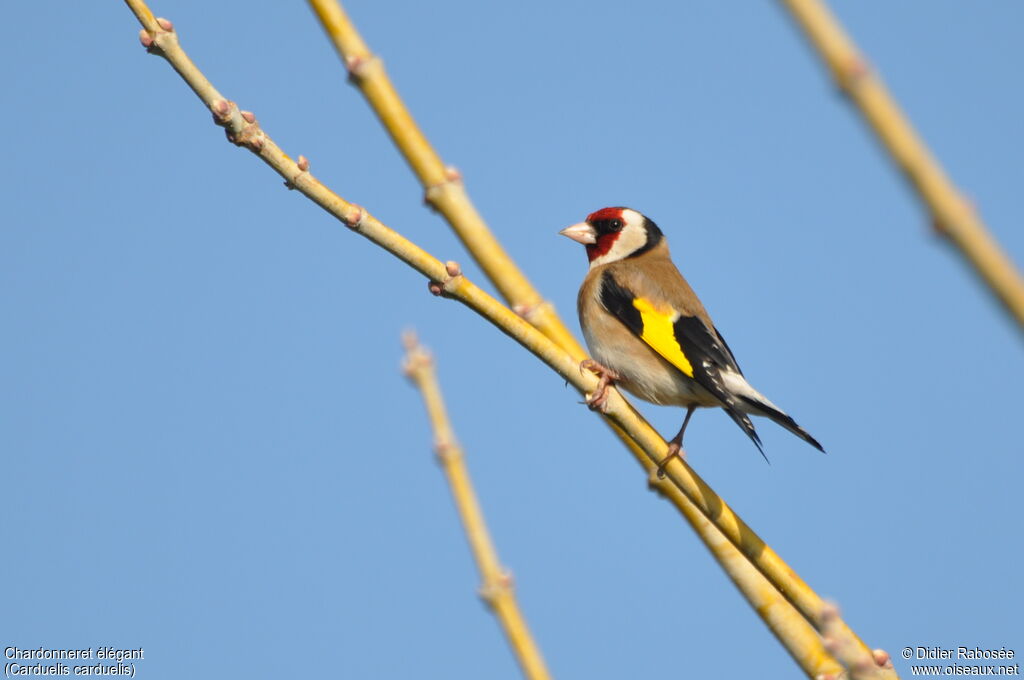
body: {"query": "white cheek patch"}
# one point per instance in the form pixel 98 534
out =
pixel 632 238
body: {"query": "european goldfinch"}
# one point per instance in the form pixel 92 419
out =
pixel 650 334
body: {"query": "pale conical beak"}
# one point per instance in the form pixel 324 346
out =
pixel 581 233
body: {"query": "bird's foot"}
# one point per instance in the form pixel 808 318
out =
pixel 675 450
pixel 598 399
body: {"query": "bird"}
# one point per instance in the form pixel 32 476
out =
pixel 648 332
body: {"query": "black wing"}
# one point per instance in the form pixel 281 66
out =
pixel 703 350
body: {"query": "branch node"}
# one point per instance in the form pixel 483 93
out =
pixel 354 218
pixel 940 225
pixel 303 165
pixel 360 66
pixel 410 341
pixel 241 130
pixel 446 287
pixel 453 174
pixel 221 110
pixel 433 192
pixel 454 274
pixel 250 136
pixel 149 39
pixel 530 312
pixel 494 589
pixel 445 451
pixel 829 614
pixel 852 73
pixel 882 658
pixel 417 357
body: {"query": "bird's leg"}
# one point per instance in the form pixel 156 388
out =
pixel 675 446
pixel 606 376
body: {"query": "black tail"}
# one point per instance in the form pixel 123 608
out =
pixel 744 422
pixel 768 411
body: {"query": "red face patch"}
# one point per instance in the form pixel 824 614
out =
pixel 605 238
pixel 605 214
pixel 603 245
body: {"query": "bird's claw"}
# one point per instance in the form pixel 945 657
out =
pixel 675 450
pixel 598 399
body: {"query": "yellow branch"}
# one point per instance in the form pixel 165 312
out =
pixel 446 279
pixel 952 215
pixel 443 187
pixel 496 584
pixel 444 190
pixel 860 665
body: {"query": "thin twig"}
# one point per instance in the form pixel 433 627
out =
pixel 860 664
pixel 446 279
pixel 444 190
pixel 496 587
pixel 952 215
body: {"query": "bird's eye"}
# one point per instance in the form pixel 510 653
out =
pixel 616 225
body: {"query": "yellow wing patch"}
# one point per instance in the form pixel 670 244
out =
pixel 660 334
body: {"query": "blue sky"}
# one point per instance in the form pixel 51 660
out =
pixel 208 449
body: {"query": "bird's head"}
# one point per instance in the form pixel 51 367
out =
pixel 613 234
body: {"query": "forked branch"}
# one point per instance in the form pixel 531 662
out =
pixel 444 190
pixel 447 279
